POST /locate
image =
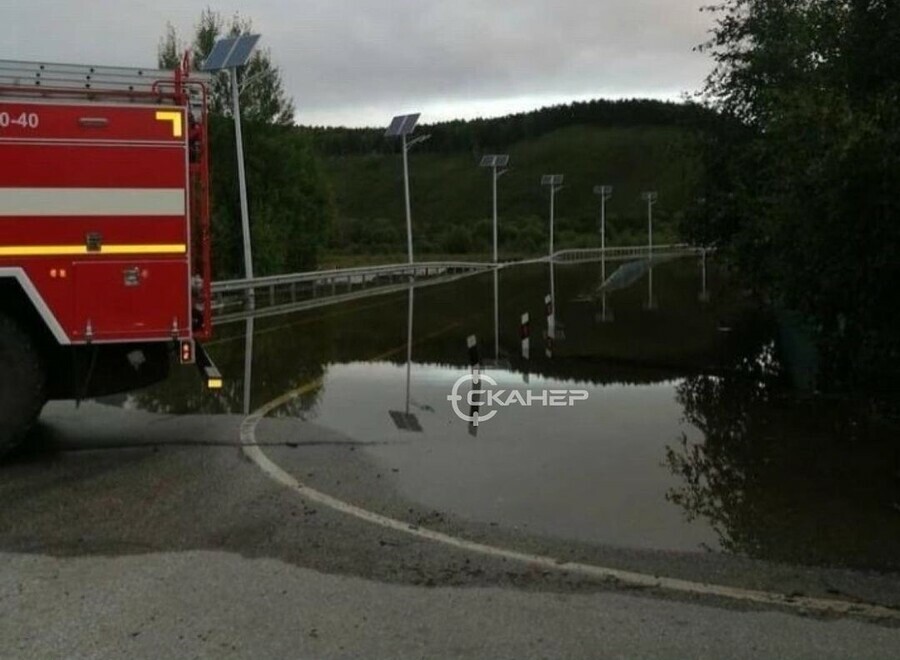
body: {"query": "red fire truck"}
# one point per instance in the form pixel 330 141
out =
pixel 104 232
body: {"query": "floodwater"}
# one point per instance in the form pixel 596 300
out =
pixel 692 436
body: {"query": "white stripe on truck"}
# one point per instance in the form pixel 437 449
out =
pixel 91 201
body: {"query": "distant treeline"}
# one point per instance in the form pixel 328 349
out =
pixel 480 134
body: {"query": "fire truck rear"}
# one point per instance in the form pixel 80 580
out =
pixel 104 232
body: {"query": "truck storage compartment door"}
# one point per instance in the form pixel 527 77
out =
pixel 131 300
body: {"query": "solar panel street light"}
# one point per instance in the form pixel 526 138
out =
pixel 495 162
pixel 402 126
pixel 230 54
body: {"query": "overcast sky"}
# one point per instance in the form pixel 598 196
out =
pixel 358 62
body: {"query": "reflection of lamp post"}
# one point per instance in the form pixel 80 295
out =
pixel 650 198
pixel 248 364
pixel 495 163
pixel 403 126
pixel 406 421
pixel 230 54
pixel 704 292
pixel 555 183
pixel 604 193
pixel 496 314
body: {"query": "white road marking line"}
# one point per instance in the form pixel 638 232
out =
pixel 254 452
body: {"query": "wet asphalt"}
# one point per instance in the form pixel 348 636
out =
pixel 126 533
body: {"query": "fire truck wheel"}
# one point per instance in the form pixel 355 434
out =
pixel 22 384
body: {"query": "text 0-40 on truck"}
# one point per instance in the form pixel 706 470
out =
pixel 104 232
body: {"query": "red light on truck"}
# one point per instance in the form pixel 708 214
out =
pixel 187 352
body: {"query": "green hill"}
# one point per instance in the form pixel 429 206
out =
pixel 634 146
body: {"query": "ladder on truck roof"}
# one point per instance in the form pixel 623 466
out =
pixel 34 77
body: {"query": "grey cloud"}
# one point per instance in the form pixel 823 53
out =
pixel 337 55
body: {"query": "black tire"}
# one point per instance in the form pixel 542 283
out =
pixel 23 380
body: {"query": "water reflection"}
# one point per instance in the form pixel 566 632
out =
pixel 692 437
pixel 406 421
pixel 248 364
pixel 804 481
pixel 264 358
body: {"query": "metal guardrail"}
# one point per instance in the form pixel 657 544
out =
pixel 280 294
pixel 424 269
pixel 625 253
pixel 266 296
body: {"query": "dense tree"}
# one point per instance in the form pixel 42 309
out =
pixel 290 202
pixel 802 170
pixel 263 98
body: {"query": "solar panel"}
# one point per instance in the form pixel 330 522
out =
pixel 402 125
pixel 495 161
pixel 242 50
pixel 410 124
pixel 394 129
pixel 552 180
pixel 219 54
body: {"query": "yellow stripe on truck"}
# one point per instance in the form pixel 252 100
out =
pixel 175 119
pixel 73 250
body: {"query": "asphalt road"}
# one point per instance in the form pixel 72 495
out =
pixel 126 534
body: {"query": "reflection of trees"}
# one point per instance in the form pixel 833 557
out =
pixel 277 368
pixel 782 479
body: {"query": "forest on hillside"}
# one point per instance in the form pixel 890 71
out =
pixel 501 132
pixel 634 145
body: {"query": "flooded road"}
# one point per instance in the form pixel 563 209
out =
pixel 691 438
pixel 336 500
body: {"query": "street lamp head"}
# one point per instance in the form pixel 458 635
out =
pixel 418 140
pixel 603 191
pixel 650 197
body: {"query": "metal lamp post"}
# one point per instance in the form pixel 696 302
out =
pixel 402 126
pixel 650 198
pixel 496 163
pixel 555 183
